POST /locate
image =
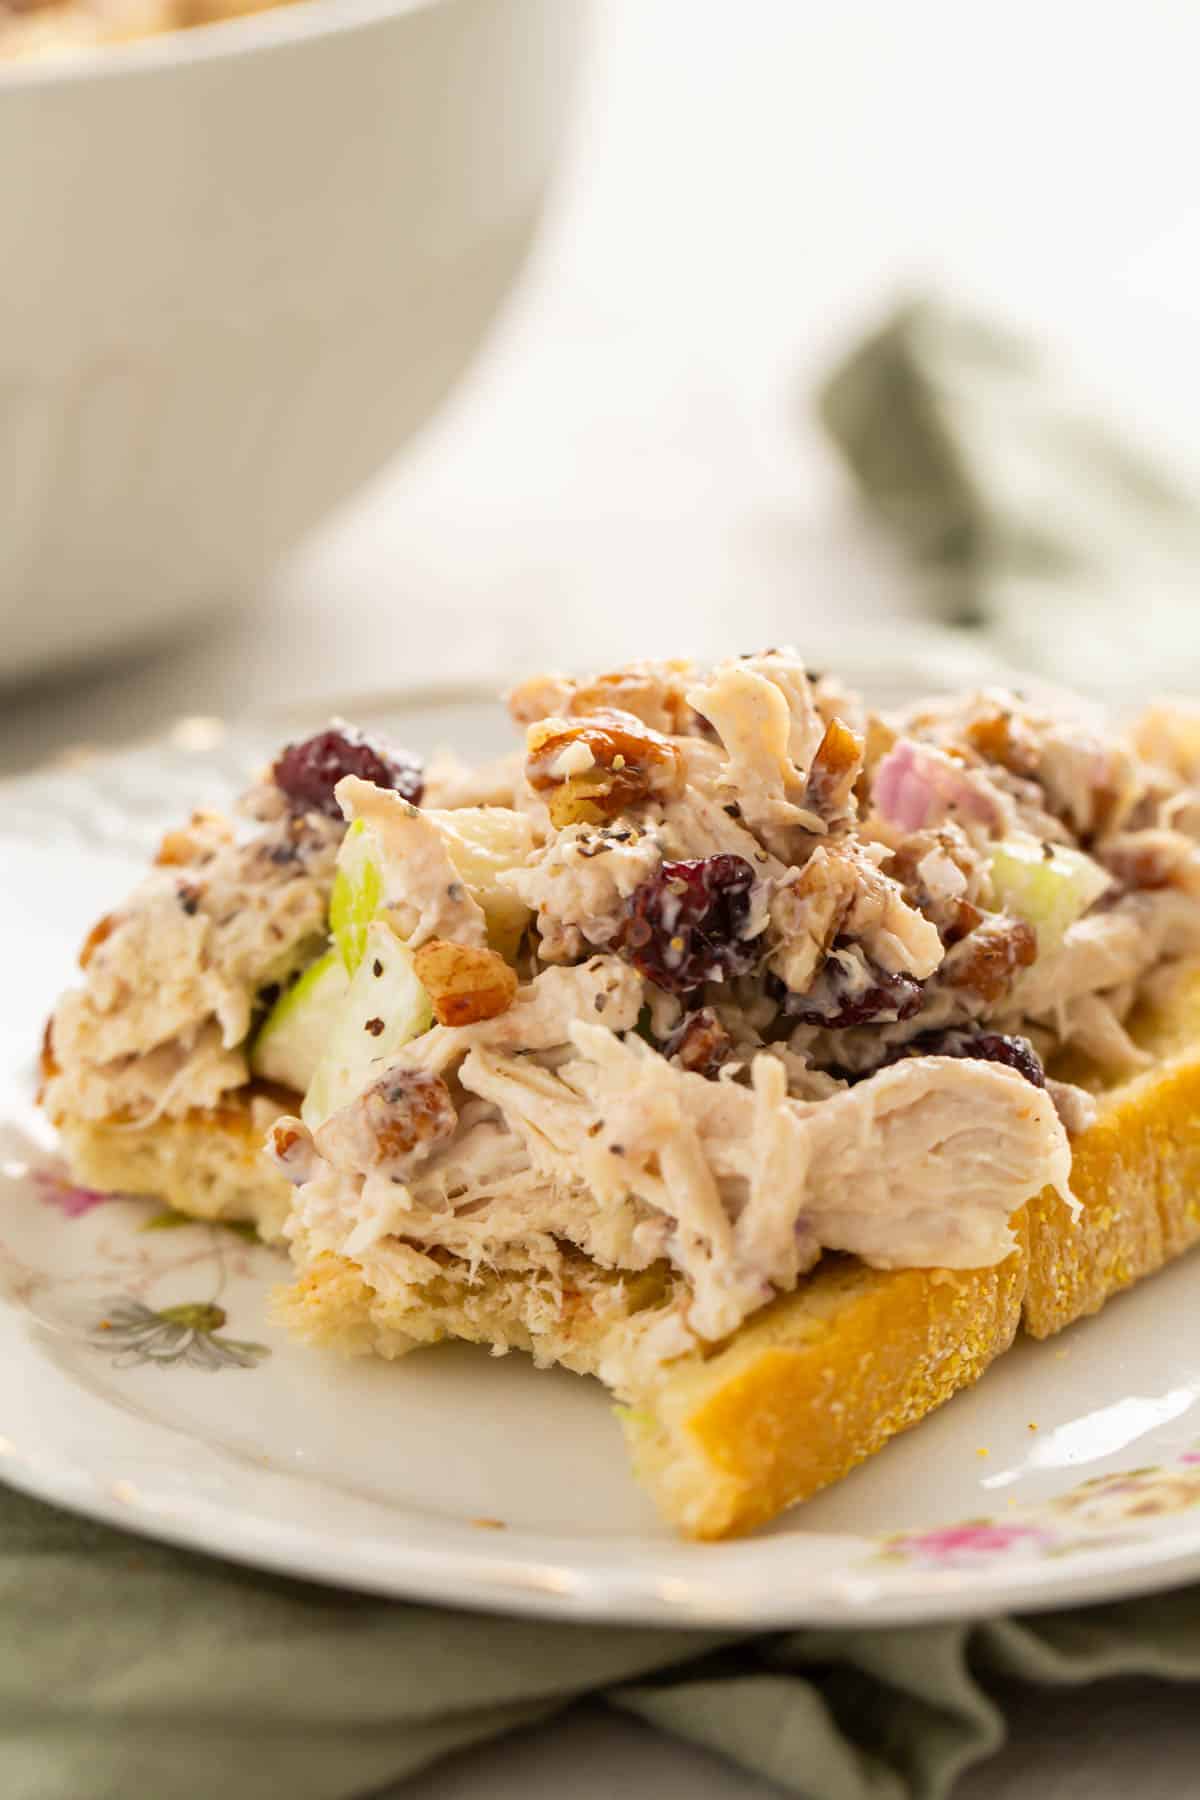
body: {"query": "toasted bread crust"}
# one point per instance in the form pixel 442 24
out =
pixel 813 1386
pixel 820 1379
pixel 206 1164
pixel 1136 1174
pixel 728 1442
pixel 332 1304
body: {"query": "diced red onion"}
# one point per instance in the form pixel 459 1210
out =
pixel 916 786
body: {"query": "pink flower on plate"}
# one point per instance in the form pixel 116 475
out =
pixel 72 1201
pixel 1190 1456
pixel 953 1545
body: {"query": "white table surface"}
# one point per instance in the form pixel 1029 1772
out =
pixel 632 469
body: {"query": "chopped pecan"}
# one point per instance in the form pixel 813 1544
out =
pixel 699 1043
pixel 988 960
pixel 835 769
pixel 878 738
pixel 923 865
pixel 48 1066
pixel 176 851
pixel 600 766
pixel 807 912
pixel 204 833
pixel 464 984
pixel 654 692
pixel 408 1111
pixel 963 917
pixel 101 931
pixel 1112 802
pixel 999 738
pixel 290 1148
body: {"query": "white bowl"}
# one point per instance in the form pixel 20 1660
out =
pixel 241 265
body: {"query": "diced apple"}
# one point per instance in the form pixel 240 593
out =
pixel 383 1007
pixel 1049 885
pixel 292 1038
pixel 484 842
pixel 357 894
pixel 481 842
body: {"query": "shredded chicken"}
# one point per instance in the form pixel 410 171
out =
pixel 730 973
pixel 1085 778
pixel 579 883
pixel 1074 1105
pixel 541 1016
pixel 842 893
pixel 190 1071
pixel 741 1186
pixel 1168 737
pixel 763 712
pixel 451 783
pixel 1108 949
pixel 172 977
pixel 1155 857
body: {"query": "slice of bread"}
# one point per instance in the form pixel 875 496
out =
pixel 812 1386
pixel 1136 1174
pixel 207 1164
pixel 333 1304
pixel 817 1381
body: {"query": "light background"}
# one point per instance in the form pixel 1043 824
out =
pixel 632 468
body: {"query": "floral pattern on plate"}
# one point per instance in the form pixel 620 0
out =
pixel 189 1333
pixel 1095 1509
pixel 67 1197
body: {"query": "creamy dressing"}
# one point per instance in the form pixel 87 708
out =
pixel 848 934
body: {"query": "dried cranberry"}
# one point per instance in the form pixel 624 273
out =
pixel 699 1043
pixel 686 925
pixel 835 1002
pixel 980 1046
pixel 309 771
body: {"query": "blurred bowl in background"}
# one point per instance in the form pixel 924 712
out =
pixel 241 265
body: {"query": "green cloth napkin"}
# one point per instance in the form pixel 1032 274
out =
pixel 129 1669
pixel 1060 513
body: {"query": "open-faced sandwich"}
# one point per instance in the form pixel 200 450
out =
pixel 768 1059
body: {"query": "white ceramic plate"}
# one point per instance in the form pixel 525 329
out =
pixel 143 1383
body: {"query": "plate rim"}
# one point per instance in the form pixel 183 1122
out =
pixel 516 1584
pixel 740 1590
